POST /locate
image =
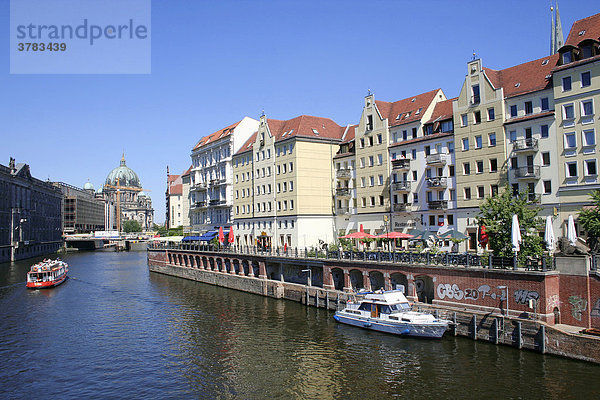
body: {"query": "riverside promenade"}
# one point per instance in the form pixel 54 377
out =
pixel 487 298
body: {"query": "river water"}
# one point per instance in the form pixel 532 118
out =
pixel 115 330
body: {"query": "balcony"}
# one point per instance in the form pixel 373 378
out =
pixel 437 182
pixel 200 204
pixel 344 173
pixel 437 204
pixel 342 211
pixel 342 192
pixel 402 207
pixel 201 186
pixel 436 159
pixel 525 145
pixel 401 186
pixel 217 202
pixel 401 164
pixel 528 172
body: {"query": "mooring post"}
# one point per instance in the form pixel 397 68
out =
pixel 543 339
pixel 327 300
pixel 455 325
pixel 519 337
pixel 495 327
pixel 474 321
pixel 307 302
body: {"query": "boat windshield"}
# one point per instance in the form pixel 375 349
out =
pixel 365 306
pixel 397 308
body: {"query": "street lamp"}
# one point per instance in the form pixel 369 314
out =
pixel 309 275
pixel 503 288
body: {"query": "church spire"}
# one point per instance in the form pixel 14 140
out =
pixel 557 39
pixel 123 159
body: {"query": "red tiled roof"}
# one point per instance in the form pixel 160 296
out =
pixel 442 111
pixel 524 78
pixel 528 117
pixel 187 172
pixel 590 27
pixel 349 134
pixel 216 135
pixel 248 144
pixel 172 178
pixel 176 189
pixel 305 126
pixel 411 104
pixel 577 63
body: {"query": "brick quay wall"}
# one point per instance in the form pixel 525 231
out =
pixel 474 298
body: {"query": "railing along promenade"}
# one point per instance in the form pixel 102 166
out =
pixel 466 260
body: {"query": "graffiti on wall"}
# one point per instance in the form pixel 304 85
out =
pixel 596 309
pixel 522 296
pixel 578 306
pixel 453 291
pixel 552 302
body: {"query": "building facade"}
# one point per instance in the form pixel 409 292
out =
pixel 177 198
pixel 82 211
pixel 211 182
pixel 30 214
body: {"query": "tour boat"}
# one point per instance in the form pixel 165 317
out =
pixel 47 274
pixel 391 312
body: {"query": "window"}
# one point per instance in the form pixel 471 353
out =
pixel 413 154
pixel 570 140
pixel 467 193
pixel 291 186
pixel 363 202
pixel 544 131
pixel 414 133
pixel 291 204
pixel 547 187
pixel 379 159
pixel 284 168
pixel 478 142
pixel 479 166
pixel 404 135
pixel 414 174
pixel 492 139
pixel 476 94
pixel 466 168
pixel 291 166
pixel 371 141
pixel 362 143
pixel 465 144
pixel 515 189
pixel 512 136
pixel 380 180
pixel 450 219
pixel 590 168
pixel 493 165
pixel 491 114
pixel 381 200
pixel 371 162
pixel 587 108
pixel 586 51
pixel 545 104
pixel 447 126
pixel 452 195
pixel 513 111
pixel 369 122
pixel 451 170
pixel 589 137
pixel 379 139
pixel 371 180
pixel 586 79
pixel 432 220
pixel 514 163
pixel 494 190
pixel 415 198
pixel 566 57
pixel 568 111
pixel 363 181
pixel 566 83
pixel 450 146
pixel 546 159
pixel 372 204
pixel 428 172
pixel 528 107
pixel 571 169
pixel 464 121
pixel 427 150
pixel 477 117
pixel 480 192
pixel 285 186
pixel 362 162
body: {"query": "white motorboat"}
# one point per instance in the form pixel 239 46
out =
pixel 391 312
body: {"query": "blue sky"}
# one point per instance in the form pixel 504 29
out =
pixel 215 62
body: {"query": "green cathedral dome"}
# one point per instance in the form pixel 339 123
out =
pixel 123 176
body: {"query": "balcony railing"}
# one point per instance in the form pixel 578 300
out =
pixel 343 173
pixel 433 159
pixel 528 172
pixel 402 186
pixel 437 181
pixel 201 186
pixel 342 210
pixel 342 192
pixel 401 207
pixel 437 204
pixel 199 204
pixel 217 202
pixel 401 163
pixel 522 145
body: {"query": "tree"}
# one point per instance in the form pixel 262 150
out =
pixel 589 218
pixel 160 229
pixel 131 225
pixel 496 214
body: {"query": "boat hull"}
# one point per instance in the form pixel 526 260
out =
pixel 431 330
pixel 47 284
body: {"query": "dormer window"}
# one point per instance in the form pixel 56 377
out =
pixel 567 57
pixel 398 117
pixel 419 111
pixel 407 115
pixel 586 51
pixel 316 132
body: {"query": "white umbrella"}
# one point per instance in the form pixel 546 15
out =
pixel 515 234
pixel 571 234
pixel 549 235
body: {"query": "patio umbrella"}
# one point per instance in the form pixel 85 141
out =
pixel 394 235
pixel 357 235
pixel 453 234
pixel 549 234
pixel 221 236
pixel 515 234
pixel 571 233
pixel 230 237
pixel 424 235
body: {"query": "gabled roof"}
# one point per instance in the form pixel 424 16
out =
pixel 221 133
pixel 172 178
pixel 442 111
pixel 587 28
pixel 187 172
pixel 349 134
pixel 524 78
pixel 176 189
pixel 305 126
pixel 247 146
pixel 396 112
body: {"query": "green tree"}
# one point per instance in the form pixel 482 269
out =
pixel 160 229
pixel 589 218
pixel 176 231
pixel 496 214
pixel 131 225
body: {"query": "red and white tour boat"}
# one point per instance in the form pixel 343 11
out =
pixel 47 274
